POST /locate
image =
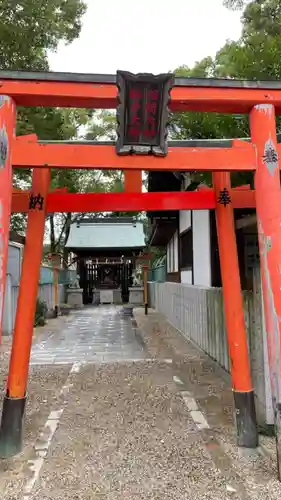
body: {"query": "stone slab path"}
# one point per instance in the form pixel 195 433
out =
pixel 93 335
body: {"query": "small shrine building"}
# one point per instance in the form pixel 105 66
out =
pixel 106 250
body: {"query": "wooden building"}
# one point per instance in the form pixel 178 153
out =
pixel 190 237
pixel 106 249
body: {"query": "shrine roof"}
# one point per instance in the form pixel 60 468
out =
pixel 111 233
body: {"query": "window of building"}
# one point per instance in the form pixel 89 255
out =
pixel 186 250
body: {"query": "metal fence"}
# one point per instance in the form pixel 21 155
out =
pixel 45 294
pixel 198 313
pixel 66 276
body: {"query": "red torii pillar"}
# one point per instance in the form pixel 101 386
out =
pixel 15 398
pixel 133 181
pixel 7 134
pixel 268 206
pixel 243 393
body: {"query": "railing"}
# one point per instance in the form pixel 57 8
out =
pixel 66 276
pixel 46 294
pixel 198 313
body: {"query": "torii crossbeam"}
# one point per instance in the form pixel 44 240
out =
pixel 123 202
pixel 94 156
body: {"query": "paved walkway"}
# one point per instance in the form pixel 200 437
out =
pixel 120 412
pixel 93 335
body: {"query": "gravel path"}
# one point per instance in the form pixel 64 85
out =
pixel 126 434
pixel 118 429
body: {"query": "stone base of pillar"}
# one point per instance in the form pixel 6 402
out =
pixel 11 426
pixel 74 297
pixel 136 295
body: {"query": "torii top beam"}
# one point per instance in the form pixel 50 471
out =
pixel 100 92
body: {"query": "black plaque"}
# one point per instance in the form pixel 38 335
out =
pixel 142 113
pixel 36 201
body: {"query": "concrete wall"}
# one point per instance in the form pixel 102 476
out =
pixel 15 254
pixel 45 293
pixel 201 247
pixel 45 289
pixel 200 222
pixel 198 313
pixel 186 277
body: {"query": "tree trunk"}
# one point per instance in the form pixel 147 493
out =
pixel 67 231
pixel 52 234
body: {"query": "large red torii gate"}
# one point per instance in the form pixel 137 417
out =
pixel 260 100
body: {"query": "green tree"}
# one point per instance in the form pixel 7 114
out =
pixel 255 56
pixel 102 126
pixel 49 124
pixel 259 16
pixel 76 181
pixel 235 4
pixel 198 125
pixel 29 28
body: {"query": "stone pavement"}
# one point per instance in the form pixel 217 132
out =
pixel 92 335
pixel 130 410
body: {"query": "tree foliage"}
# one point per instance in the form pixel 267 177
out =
pixel 102 126
pixel 259 16
pixel 29 28
pixel 235 4
pixel 255 56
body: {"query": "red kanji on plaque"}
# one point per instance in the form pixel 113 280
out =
pixel 135 106
pixel 153 94
pixel 135 93
pixel 151 120
pixel 150 132
pixel 134 132
pixel 151 107
pixel 136 120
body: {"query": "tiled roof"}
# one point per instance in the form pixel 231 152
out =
pixel 108 234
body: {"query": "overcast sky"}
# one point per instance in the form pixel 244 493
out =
pixel 147 35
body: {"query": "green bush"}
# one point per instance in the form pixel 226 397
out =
pixel 40 313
